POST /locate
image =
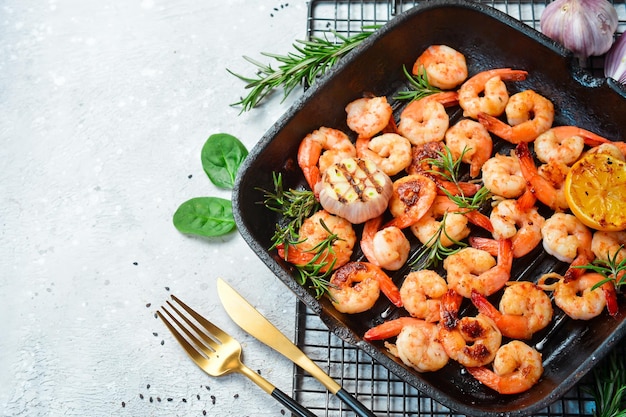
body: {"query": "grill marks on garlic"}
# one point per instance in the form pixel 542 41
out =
pixel 355 189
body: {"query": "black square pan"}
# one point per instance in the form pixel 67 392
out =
pixel 489 39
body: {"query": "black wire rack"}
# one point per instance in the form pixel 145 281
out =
pixel 358 373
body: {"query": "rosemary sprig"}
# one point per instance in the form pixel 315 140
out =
pixel 610 269
pixel 447 167
pixel 470 203
pixel 609 389
pixel 434 251
pixel 311 59
pixel 419 86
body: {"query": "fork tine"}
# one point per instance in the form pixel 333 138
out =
pixel 189 348
pixel 203 341
pixel 217 333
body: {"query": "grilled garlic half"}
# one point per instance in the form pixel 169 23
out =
pixel 355 189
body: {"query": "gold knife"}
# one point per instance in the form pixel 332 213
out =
pixel 253 322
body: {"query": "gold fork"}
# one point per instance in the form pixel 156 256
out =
pixel 216 352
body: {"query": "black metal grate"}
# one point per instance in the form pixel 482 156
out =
pixel 358 373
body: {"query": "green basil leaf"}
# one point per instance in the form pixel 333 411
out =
pixel 222 154
pixel 205 216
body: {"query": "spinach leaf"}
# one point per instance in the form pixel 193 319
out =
pixel 205 216
pixel 221 156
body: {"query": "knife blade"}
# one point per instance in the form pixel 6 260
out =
pixel 254 323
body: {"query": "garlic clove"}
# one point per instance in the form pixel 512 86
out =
pixel 615 61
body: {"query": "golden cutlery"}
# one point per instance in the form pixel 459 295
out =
pixel 216 352
pixel 253 322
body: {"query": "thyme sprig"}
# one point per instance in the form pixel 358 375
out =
pixel 316 273
pixel 311 59
pixel 610 269
pixel 447 168
pixel 609 389
pixel 434 251
pixel 419 85
pixel 295 206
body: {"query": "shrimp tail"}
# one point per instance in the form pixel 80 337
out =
pixel 590 138
pixel 308 154
pixel 496 126
pixel 390 328
pixel 369 230
pixel 574 272
pixel 387 286
pixel 527 200
pixel 537 185
pixel 484 243
pixel 611 298
pixel 450 305
pixel 485 376
pixel 512 326
pixel 497 383
pixel 479 219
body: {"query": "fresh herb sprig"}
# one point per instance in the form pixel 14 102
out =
pixel 295 206
pixel 419 86
pixel 434 251
pixel 609 389
pixel 311 59
pixel 610 269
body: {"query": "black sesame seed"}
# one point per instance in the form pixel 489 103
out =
pixel 236 396
pixel 189 176
pixel 213 399
pixel 159 399
pixel 148 386
pixel 155 334
pixel 167 288
pixel 148 305
pixel 123 404
pixel 282 412
pixel 162 342
pixel 135 263
pixel 141 396
pixel 170 399
pixel 198 396
pixel 204 412
pixel 207 388
pixel 184 400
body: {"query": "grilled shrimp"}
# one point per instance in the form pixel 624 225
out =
pixel 516 368
pixel 368 116
pixel 315 230
pixel 486 92
pixel 528 114
pixel 421 294
pixel 426 120
pixel 524 309
pixel 356 286
pixel 388 247
pixel 445 67
pixel 475 269
pixel 320 149
pixel 470 142
pixel 417 343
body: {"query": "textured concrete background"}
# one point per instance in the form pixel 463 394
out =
pixel 105 108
